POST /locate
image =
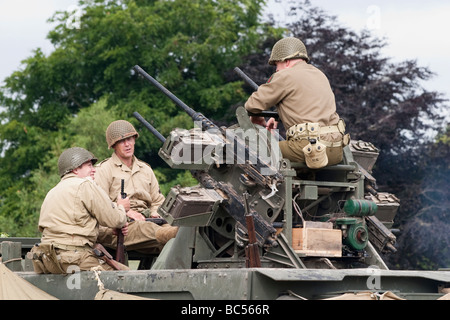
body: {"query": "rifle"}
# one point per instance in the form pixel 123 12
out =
pixel 251 250
pixel 120 250
pixel 101 253
pixel 158 221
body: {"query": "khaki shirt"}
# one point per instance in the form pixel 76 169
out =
pixel 302 93
pixel 141 185
pixel 74 208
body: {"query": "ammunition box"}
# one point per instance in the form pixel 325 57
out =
pixel 365 153
pixel 387 204
pixel 190 206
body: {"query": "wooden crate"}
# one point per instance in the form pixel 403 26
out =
pixel 317 242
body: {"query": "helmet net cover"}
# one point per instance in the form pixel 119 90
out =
pixel 72 158
pixel 119 130
pixel 288 48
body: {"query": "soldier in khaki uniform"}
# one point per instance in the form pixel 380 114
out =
pixel 70 215
pixel 142 190
pixel 306 106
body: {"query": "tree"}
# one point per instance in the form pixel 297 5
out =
pixel 425 239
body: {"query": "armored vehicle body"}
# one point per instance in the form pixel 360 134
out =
pixel 260 227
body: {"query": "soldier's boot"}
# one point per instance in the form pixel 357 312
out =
pixel 165 233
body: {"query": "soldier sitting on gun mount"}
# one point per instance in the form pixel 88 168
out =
pixel 70 215
pixel 142 190
pixel 305 104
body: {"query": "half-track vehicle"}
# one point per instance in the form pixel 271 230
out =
pixel 258 226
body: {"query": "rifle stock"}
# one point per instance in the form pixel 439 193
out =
pixel 103 254
pixel 251 250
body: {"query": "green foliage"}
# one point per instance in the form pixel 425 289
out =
pixel 87 129
pixel 167 181
pixel 187 45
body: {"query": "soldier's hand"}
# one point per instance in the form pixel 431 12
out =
pixel 258 120
pixel 125 202
pixel 155 215
pixel 125 229
pixel 135 215
pixel 271 124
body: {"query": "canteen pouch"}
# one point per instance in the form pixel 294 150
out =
pixel 315 155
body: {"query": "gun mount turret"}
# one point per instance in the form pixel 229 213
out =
pixel 302 217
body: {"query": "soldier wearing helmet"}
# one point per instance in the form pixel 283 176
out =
pixel 70 215
pixel 141 187
pixel 305 104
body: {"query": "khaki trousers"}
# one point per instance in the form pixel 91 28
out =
pixel 47 259
pixel 85 260
pixel 141 237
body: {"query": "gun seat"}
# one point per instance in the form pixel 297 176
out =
pixel 339 167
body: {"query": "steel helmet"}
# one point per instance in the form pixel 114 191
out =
pixel 288 48
pixel 118 130
pixel 72 158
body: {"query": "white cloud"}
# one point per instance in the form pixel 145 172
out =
pixel 419 34
pixel 24 28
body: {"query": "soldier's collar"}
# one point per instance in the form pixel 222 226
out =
pixel 119 162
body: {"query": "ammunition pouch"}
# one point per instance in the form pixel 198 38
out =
pixel 45 259
pixel 310 130
pixel 303 131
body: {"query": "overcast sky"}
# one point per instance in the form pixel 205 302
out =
pixel 414 30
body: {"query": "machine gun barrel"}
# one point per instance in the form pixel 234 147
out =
pixel 246 78
pixel 169 94
pixel 196 116
pixel 149 127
